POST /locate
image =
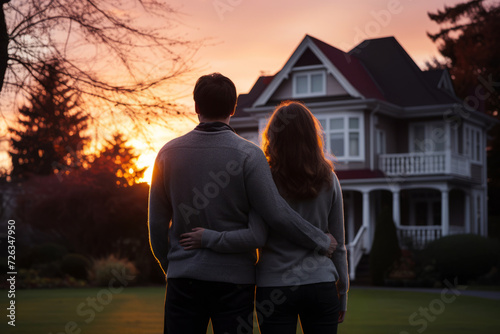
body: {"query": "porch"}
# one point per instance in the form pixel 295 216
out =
pixel 421 214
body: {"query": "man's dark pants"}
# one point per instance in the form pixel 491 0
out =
pixel 191 303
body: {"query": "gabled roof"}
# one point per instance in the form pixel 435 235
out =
pixel 325 55
pixel 247 100
pixel 352 69
pixel 401 80
pixel 375 69
pixel 433 77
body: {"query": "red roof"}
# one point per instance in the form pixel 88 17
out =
pixel 359 174
pixel 352 69
pixel 247 100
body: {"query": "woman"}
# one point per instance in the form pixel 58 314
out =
pixel 293 281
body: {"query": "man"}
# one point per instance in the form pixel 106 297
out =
pixel 213 178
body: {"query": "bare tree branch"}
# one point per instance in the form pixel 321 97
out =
pixel 122 55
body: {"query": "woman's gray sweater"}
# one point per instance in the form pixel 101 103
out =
pixel 283 263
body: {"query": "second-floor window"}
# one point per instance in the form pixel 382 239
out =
pixel 428 137
pixel 472 143
pixel 380 142
pixel 344 136
pixel 311 83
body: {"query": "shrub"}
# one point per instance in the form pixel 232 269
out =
pixel 463 256
pixel 48 269
pixel 76 265
pixel 46 253
pixel 106 269
pixel 30 278
pixel 385 249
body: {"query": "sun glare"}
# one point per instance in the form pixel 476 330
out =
pixel 147 160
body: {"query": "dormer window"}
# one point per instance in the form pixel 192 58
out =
pixel 308 84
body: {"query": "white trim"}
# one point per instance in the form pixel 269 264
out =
pixel 359 115
pixel 308 75
pixel 309 67
pixel 287 69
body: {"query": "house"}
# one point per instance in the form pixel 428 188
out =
pixel 400 136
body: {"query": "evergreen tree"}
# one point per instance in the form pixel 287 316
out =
pixel 469 40
pixel 118 160
pixel 49 135
pixel 385 248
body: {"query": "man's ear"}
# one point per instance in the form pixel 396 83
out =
pixel 234 110
pixel 196 108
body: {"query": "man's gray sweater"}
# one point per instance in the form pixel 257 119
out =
pixel 213 180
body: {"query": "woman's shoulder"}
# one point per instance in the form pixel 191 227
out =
pixel 335 180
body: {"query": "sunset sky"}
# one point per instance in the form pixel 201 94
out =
pixel 246 37
pixel 243 39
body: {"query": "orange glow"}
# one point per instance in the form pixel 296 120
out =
pixel 160 136
pixel 147 160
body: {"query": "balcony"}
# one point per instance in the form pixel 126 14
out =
pixel 432 163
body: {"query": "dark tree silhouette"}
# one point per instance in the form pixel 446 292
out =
pixel 121 55
pixel 4 42
pixel 50 133
pixel 469 40
pixel 385 248
pixel 118 160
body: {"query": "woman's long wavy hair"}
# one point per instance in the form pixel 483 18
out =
pixel 293 145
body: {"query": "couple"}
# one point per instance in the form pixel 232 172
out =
pixel 214 200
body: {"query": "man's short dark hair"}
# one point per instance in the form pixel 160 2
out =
pixel 215 96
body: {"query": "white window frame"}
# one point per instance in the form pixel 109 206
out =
pixel 345 131
pixel 309 74
pixel 473 143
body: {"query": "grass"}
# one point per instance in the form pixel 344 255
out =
pixel 139 310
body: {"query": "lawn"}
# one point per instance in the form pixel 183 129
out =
pixel 140 310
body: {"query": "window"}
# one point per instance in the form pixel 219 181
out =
pixel 454 139
pixel 472 143
pixel 309 84
pixel 428 137
pixel 381 145
pixel 343 135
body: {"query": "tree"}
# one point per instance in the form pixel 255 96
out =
pixel 114 52
pixel 118 160
pixel 385 248
pixel 469 40
pixel 4 42
pixel 49 136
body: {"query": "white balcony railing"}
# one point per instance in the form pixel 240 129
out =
pixel 424 164
pixel 356 250
pixel 418 236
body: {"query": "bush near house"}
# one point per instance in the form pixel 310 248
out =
pixel 460 258
pixel 76 265
pixel 385 249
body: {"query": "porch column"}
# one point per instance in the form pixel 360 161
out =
pixel 366 219
pixel 445 217
pixel 395 208
pixel 350 222
pixel 467 213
